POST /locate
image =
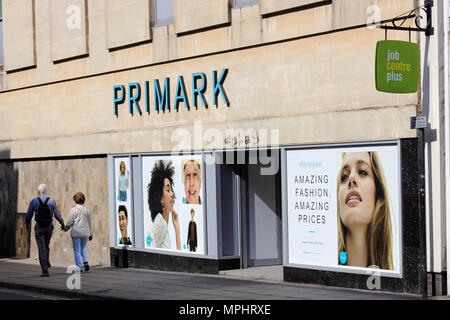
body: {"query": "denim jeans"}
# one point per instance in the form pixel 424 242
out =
pixel 79 249
pixel 123 196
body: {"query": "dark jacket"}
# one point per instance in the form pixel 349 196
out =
pixel 126 241
pixel 34 207
pixel 194 240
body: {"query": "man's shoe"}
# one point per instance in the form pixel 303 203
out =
pixel 86 267
pixel 44 274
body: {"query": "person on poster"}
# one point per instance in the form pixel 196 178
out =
pixel 192 180
pixel 80 222
pixel 124 182
pixel 364 220
pixel 192 233
pixel 123 225
pixel 161 199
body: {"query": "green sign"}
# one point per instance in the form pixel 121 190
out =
pixel 397 66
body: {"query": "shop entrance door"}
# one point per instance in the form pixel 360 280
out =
pixel 260 218
pixel 250 210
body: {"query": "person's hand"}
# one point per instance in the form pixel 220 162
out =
pixel 63 228
pixel 176 223
pixel 90 238
pixel 176 226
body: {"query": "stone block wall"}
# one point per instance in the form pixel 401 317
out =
pixel 64 177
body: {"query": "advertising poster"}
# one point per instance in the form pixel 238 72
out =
pixel 344 207
pixel 173 203
pixel 124 214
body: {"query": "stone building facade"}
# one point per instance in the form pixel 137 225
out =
pixel 301 68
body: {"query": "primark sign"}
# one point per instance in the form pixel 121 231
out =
pixel 142 97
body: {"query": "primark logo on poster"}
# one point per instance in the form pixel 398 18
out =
pixel 142 97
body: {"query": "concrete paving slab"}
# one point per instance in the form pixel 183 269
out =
pixel 116 283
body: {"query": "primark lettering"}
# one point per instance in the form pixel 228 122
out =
pixel 140 96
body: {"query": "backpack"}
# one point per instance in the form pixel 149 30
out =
pixel 44 214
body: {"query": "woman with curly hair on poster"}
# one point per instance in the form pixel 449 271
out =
pixel 161 199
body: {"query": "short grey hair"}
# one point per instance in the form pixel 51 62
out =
pixel 42 188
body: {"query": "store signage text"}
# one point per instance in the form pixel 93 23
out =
pixel 397 66
pixel 139 98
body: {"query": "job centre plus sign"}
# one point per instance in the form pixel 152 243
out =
pixel 397 66
pixel 394 66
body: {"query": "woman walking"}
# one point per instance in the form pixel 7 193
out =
pixel 80 221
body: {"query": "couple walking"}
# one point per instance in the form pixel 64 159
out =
pixel 45 209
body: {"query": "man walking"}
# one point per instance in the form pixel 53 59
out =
pixel 44 209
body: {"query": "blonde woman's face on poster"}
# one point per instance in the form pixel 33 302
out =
pixel 357 190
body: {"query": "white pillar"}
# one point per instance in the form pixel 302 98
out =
pixel 447 132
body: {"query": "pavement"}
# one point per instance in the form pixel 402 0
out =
pixel 8 295
pixel 111 283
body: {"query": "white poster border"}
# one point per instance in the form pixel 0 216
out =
pixel 204 206
pixel 343 269
pixel 129 202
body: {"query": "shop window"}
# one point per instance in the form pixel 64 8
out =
pixel 244 3
pixel 164 12
pixel 1 37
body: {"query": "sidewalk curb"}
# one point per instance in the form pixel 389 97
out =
pixel 62 293
pixel 109 283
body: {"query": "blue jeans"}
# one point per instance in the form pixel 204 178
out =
pixel 79 249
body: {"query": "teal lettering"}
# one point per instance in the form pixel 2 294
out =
pixel 162 100
pixel 199 92
pixel 218 87
pixel 180 94
pixel 134 99
pixel 147 97
pixel 118 100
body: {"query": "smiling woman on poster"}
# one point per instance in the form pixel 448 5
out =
pixel 364 220
pixel 161 199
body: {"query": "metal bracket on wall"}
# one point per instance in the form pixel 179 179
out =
pixel 397 22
